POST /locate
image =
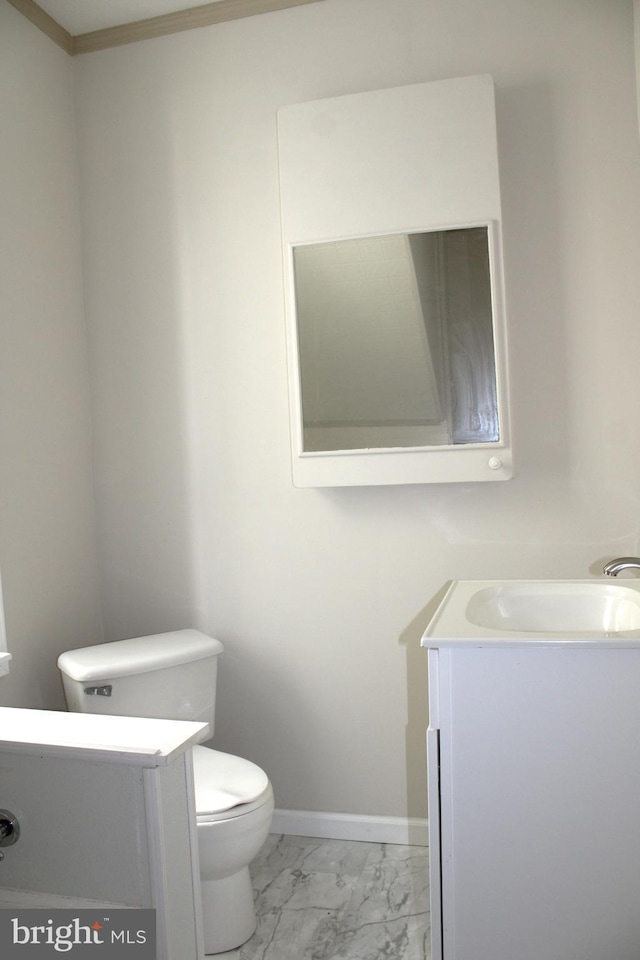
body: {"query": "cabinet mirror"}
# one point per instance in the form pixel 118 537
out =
pixel 395 341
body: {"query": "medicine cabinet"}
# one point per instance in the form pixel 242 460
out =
pixel 396 332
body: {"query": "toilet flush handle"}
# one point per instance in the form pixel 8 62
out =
pixel 103 691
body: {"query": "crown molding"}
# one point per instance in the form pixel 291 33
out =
pixel 190 19
pixel 44 22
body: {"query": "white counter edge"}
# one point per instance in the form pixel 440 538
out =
pixel 140 741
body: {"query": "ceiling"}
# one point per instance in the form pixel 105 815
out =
pixel 84 16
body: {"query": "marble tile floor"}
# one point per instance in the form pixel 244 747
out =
pixel 338 900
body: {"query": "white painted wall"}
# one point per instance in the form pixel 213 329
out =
pixel 47 530
pixel 320 596
pixel 636 29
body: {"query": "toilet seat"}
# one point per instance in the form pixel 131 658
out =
pixel 227 786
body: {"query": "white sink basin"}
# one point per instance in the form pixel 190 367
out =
pixel 556 607
pixel 586 612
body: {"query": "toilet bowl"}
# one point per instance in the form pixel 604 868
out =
pixel 173 676
pixel 228 840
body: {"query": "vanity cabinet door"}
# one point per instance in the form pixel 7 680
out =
pixel 535 826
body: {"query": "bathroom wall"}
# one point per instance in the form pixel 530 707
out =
pixel 320 596
pixel 636 26
pixel 48 552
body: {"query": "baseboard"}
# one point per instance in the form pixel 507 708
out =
pixel 347 826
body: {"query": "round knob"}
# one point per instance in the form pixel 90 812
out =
pixel 495 463
pixel 9 828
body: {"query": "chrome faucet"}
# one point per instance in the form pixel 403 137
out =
pixel 613 568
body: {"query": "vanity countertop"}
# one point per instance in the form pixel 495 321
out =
pixel 138 741
pixel 599 612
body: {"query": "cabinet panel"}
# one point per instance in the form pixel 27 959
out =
pixel 540 830
pixel 69 844
pixel 106 809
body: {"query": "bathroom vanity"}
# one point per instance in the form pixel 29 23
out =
pixel 104 817
pixel 534 771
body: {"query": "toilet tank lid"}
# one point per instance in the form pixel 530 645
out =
pixel 124 658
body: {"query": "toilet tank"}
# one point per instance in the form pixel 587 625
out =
pixel 171 676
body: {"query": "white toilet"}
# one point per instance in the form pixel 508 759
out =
pixel 173 676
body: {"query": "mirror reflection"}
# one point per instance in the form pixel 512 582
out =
pixel 395 341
